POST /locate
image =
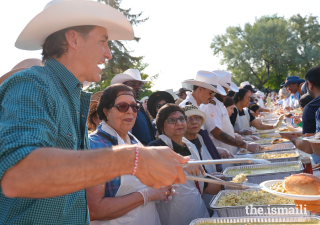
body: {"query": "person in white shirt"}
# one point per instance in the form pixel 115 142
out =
pixel 218 122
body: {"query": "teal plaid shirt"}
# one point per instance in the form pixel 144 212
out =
pixel 42 107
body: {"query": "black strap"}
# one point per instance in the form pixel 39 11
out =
pixel 107 138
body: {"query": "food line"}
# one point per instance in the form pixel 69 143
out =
pixel 291 161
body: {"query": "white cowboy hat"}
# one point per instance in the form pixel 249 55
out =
pixel 207 80
pixel 244 84
pixel 25 64
pixel 61 14
pixel 130 74
pixel 260 94
pixel 225 80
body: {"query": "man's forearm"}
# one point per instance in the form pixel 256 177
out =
pixel 302 145
pixel 49 172
pixel 227 139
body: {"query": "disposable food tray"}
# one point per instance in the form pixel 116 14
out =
pixel 259 178
pixel 296 158
pixel 254 220
pixel 281 146
pixel 240 211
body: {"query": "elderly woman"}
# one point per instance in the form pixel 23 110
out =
pixel 242 119
pixel 123 200
pixel 188 205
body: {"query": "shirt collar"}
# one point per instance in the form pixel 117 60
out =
pixel 66 77
pixel 191 99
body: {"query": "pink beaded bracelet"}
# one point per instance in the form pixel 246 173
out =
pixel 136 161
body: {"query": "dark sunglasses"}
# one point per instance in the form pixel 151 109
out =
pixel 159 105
pixel 134 83
pixel 173 120
pixel 124 107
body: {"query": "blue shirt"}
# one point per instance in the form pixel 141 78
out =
pixel 309 116
pixel 318 120
pixel 97 141
pixel 294 99
pixel 42 107
pixel 143 129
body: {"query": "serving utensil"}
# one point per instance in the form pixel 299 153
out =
pixel 225 161
pixel 222 182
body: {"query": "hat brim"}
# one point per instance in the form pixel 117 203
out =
pixel 293 82
pixel 196 112
pixel 121 78
pixel 153 98
pixel 74 13
pixel 178 93
pixel 232 86
pixel 218 90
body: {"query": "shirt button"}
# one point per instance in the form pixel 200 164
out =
pixel 78 112
pixel 69 135
pixel 82 115
pixel 75 139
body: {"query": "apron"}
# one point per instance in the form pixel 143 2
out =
pixel 141 215
pixel 227 128
pixel 242 122
pixel 188 204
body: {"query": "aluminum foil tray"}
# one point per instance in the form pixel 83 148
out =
pixel 296 158
pixel 240 211
pixel 259 178
pixel 282 146
pixel 257 220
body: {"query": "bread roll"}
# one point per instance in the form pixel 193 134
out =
pixel 302 185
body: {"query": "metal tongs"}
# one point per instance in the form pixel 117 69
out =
pixel 222 182
pixel 216 180
pixel 225 161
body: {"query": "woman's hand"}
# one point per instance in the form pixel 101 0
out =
pixel 224 153
pixel 164 193
pixel 194 170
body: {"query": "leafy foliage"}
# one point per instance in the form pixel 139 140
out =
pixel 121 55
pixel 266 52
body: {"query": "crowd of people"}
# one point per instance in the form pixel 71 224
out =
pixel 69 157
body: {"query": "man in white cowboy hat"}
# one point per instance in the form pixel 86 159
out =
pixel 43 112
pixel 218 123
pixel 244 83
pixel 205 85
pixel 142 129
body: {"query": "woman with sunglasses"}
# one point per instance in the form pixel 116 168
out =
pixel 123 200
pixel 188 205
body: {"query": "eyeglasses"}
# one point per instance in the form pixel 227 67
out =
pixel 196 119
pixel 134 83
pixel 173 120
pixel 159 105
pixel 124 107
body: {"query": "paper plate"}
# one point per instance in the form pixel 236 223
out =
pixel 311 139
pixel 289 132
pixel 265 186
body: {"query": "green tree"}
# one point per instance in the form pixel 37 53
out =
pixel 266 52
pixel 122 58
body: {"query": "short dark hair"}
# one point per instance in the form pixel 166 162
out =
pixel 231 94
pixel 305 99
pixel 313 76
pixel 56 44
pixel 240 95
pixel 195 87
pixel 228 101
pixel 164 113
pixel 154 111
pixel 108 98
